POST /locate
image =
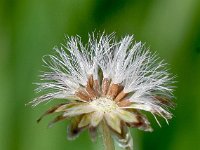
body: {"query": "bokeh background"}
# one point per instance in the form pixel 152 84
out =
pixel 30 29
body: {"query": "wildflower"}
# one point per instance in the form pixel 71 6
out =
pixel 106 82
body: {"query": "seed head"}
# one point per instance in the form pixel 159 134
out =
pixel 106 80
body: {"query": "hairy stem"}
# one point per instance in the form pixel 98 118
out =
pixel 107 139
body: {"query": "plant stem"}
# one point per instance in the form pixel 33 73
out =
pixel 107 139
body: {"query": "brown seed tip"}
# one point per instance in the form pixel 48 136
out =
pixel 83 95
pixel 96 87
pixel 114 90
pixel 120 96
pixel 90 80
pixel 89 87
pixel 105 86
pixel 124 103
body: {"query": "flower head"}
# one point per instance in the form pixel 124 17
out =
pixel 106 81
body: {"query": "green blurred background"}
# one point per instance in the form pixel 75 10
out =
pixel 30 29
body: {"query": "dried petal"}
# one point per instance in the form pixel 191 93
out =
pixel 79 110
pixel 96 117
pixel 73 129
pixel 50 111
pixel 142 122
pixel 85 120
pixel 67 106
pixel 55 120
pixel 113 121
pixel 126 116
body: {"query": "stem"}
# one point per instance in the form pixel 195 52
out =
pixel 107 139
